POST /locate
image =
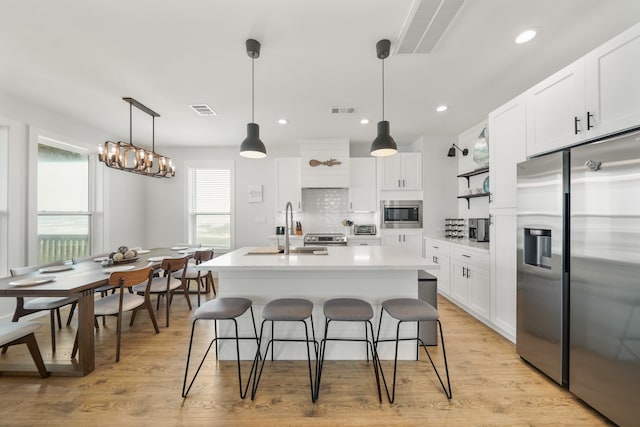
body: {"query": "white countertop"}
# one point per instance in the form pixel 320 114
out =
pixel 483 246
pixel 338 258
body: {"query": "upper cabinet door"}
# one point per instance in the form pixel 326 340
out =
pixel 412 171
pixel 556 114
pixel 362 184
pixel 402 171
pixel 389 169
pixel 288 188
pixel 507 133
pixel 613 84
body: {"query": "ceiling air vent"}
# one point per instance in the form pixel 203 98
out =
pixel 343 110
pixel 426 24
pixel 203 110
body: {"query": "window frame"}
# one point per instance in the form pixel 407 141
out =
pixel 37 137
pixel 4 199
pixel 191 215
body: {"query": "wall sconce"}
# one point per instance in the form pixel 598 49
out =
pixel 127 157
pixel 452 151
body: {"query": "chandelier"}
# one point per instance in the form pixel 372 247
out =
pixel 128 157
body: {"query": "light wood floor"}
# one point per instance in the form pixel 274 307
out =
pixel 491 385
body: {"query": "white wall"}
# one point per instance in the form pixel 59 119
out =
pixel 479 206
pixel 124 209
pixel 166 223
pixel 439 183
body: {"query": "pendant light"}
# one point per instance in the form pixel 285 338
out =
pixel 252 147
pixel 383 145
pixel 131 158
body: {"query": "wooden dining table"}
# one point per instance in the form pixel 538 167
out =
pixel 79 282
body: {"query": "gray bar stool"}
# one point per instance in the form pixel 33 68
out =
pixel 412 310
pixel 348 310
pixel 286 310
pixel 222 309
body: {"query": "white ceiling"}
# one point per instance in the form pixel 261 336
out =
pixel 81 57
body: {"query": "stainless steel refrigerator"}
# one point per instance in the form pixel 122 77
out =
pixel 578 298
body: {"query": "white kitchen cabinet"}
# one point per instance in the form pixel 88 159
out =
pixel 507 128
pixel 406 240
pixel 288 184
pixel 470 281
pixel 402 171
pixel 597 95
pixel 613 86
pixel 362 185
pixel 438 252
pixel 504 270
pixel 363 241
pixel 555 110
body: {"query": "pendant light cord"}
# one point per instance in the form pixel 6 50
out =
pixel 383 90
pixel 253 120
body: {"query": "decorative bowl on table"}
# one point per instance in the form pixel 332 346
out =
pixel 123 255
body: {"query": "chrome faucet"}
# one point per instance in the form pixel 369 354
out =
pixel 287 220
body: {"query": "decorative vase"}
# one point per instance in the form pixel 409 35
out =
pixel 481 149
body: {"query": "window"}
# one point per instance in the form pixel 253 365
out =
pixel 4 203
pixel 64 219
pixel 210 206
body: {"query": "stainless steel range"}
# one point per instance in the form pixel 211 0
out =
pixel 325 239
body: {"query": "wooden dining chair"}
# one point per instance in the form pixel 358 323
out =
pixel 24 333
pixel 166 285
pixel 203 279
pixel 124 300
pixel 34 305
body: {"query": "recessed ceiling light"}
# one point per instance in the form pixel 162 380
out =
pixel 525 36
pixel 441 108
pixel 364 121
pixel 283 121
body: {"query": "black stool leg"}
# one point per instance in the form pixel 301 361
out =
pixel 320 365
pixel 446 389
pixel 243 394
pixel 374 354
pixel 306 334
pixel 258 373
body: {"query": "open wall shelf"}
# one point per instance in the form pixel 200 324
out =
pixel 473 196
pixel 473 173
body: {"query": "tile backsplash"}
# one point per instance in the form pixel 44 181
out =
pixel 323 210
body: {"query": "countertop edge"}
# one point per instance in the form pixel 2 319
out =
pixel 464 243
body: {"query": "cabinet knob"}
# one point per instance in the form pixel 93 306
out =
pixel 399 183
pixel 403 183
pixel 589 117
pixel 576 120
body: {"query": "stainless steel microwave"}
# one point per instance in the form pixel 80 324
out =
pixel 401 213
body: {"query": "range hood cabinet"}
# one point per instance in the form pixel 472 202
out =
pixel 330 160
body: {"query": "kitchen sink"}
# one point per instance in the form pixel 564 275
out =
pixel 306 249
pixel 294 250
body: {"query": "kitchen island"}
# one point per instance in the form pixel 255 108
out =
pixel 372 273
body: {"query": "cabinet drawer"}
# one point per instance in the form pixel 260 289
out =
pixel 476 259
pixel 437 248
